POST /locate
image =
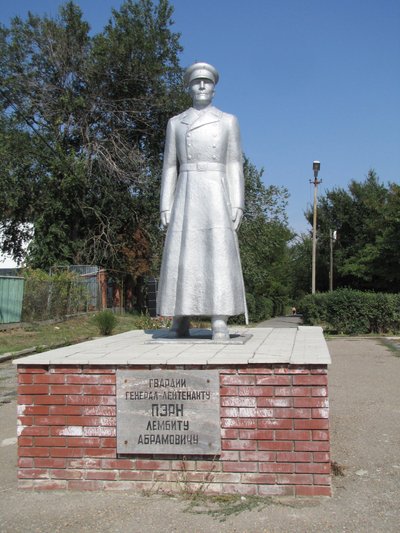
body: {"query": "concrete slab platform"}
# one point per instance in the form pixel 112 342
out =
pixel 301 346
pixel 198 336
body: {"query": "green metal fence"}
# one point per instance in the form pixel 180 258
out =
pixel 11 297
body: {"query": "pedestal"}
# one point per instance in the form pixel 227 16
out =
pixel 273 409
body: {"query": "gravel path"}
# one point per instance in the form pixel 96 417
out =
pixel 365 420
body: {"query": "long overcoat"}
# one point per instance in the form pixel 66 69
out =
pixel 202 181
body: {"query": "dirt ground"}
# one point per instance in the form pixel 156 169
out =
pixel 364 382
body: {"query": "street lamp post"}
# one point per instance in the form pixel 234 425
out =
pixel 332 239
pixel 315 182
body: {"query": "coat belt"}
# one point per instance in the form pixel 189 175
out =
pixel 201 167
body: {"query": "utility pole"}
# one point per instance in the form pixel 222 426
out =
pixel 316 182
pixel 332 239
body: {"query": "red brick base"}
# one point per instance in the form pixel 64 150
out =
pixel 274 434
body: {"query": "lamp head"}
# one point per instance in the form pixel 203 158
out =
pixel 316 167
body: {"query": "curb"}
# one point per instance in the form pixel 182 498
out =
pixel 35 349
pixel 14 355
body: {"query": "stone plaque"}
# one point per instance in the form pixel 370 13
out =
pixel 168 412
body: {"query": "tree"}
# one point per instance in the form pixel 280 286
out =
pixel 264 238
pixel 82 129
pixel 389 239
pixel 15 189
pixel 87 116
pixel 366 254
pixel 300 254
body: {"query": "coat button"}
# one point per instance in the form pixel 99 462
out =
pixel 214 157
pixel 189 157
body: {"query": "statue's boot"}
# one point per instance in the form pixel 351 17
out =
pixel 180 327
pixel 219 328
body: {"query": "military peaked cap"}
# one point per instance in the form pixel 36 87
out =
pixel 201 70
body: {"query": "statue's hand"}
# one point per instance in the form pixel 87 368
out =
pixel 165 218
pixel 237 215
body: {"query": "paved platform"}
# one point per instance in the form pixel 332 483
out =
pixel 297 346
pixel 291 321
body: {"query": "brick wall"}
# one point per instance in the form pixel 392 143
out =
pixel 274 434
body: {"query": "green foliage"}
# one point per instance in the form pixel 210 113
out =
pixel 366 253
pixel 264 238
pixel 106 321
pixel 63 333
pixel 82 128
pixel 300 254
pixel 145 321
pixel 52 296
pixel 260 308
pixel 313 308
pixel 353 312
pixel 347 312
pixel 265 307
pixel 82 125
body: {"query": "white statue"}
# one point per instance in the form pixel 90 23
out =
pixel 202 201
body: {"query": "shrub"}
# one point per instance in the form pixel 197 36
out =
pixel 281 305
pixel 313 307
pixel 105 321
pixel 347 311
pixel 384 312
pixel 52 296
pixel 36 296
pixel 251 307
pixel 145 321
pixel 259 308
pixel 264 308
pixel 353 312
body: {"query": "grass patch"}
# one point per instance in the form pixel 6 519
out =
pixel 393 345
pixel 224 506
pixel 67 332
pixel 45 336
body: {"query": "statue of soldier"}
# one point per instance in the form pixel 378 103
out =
pixel 202 201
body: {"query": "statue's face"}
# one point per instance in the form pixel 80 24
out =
pixel 202 91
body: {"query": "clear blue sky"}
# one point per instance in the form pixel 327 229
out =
pixel 308 79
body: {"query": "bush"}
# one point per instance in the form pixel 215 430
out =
pixel 347 311
pixel 384 312
pixel 251 307
pixel 279 306
pixel 52 296
pixel 259 308
pixel 264 308
pixel 353 312
pixel 145 321
pixel 313 307
pixel 105 321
